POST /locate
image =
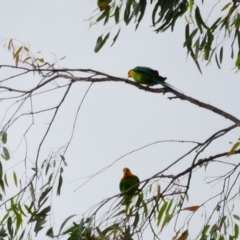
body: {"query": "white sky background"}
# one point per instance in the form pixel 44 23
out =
pixel 117 118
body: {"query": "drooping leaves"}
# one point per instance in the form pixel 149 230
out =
pixel 204 35
pixel 184 235
pixel 234 147
pixel 4 138
pixel 5 154
pixel 192 208
pixel 100 42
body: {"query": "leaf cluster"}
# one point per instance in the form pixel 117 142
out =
pixel 203 40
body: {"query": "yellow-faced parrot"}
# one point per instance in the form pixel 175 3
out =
pixel 148 76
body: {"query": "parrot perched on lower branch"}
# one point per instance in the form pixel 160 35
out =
pixel 148 76
pixel 128 185
pixel 103 4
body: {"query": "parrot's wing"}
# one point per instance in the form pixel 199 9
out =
pixel 147 70
pixel 134 183
pixel 155 76
pixel 121 185
pixel 136 179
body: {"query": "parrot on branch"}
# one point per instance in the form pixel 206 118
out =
pixel 149 77
pixel 128 185
pixel 103 4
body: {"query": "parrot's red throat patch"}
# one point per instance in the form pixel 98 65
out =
pixel 126 176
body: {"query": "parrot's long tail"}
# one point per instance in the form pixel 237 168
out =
pixel 170 86
pixel 166 85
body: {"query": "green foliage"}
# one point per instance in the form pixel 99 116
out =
pixel 234 147
pixel 5 153
pixel 4 138
pixel 19 212
pixel 220 230
pixel 203 39
pixel 100 42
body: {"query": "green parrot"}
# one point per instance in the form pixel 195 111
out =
pixel 128 185
pixel 148 76
pixel 103 4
